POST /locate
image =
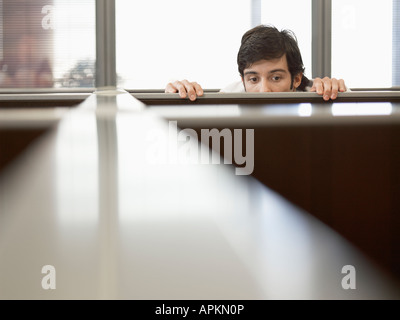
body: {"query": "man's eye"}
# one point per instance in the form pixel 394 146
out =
pixel 276 78
pixel 254 79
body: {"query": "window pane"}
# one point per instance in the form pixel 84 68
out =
pixel 47 43
pixel 362 42
pixel 294 15
pixel 396 43
pixel 158 41
pixel 74 43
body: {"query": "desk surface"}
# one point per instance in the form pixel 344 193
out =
pixel 92 200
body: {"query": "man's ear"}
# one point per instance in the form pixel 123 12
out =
pixel 297 80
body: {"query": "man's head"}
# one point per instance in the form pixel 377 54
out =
pixel 270 60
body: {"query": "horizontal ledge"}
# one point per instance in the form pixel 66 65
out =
pixel 41 100
pixel 43 96
pixel 51 99
pixel 270 97
pixel 46 90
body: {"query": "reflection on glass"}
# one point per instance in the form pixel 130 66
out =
pixel 47 43
pixel 293 109
pixel 361 109
pixel 26 49
pixel 77 171
pixel 305 110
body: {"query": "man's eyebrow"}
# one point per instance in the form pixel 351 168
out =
pixel 250 72
pixel 271 71
pixel 278 70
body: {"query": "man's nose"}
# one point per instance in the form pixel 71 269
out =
pixel 265 87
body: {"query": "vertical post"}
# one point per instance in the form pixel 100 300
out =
pixel 106 74
pixel 1 32
pixel 396 44
pixel 321 38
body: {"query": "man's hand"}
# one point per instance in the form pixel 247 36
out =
pixel 185 88
pixel 328 87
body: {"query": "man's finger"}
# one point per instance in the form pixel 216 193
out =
pixel 180 88
pixel 342 85
pixel 335 88
pixel 170 88
pixel 327 82
pixel 318 86
pixel 198 89
pixel 190 90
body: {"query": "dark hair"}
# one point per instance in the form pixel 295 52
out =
pixel 266 42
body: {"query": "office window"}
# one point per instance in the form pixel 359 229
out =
pixel 52 43
pixel 47 43
pixel 294 15
pixel 158 41
pixel 362 42
pixel 74 43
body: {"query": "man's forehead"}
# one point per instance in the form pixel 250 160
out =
pixel 272 65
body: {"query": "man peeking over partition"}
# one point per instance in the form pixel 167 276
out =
pixel 268 60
